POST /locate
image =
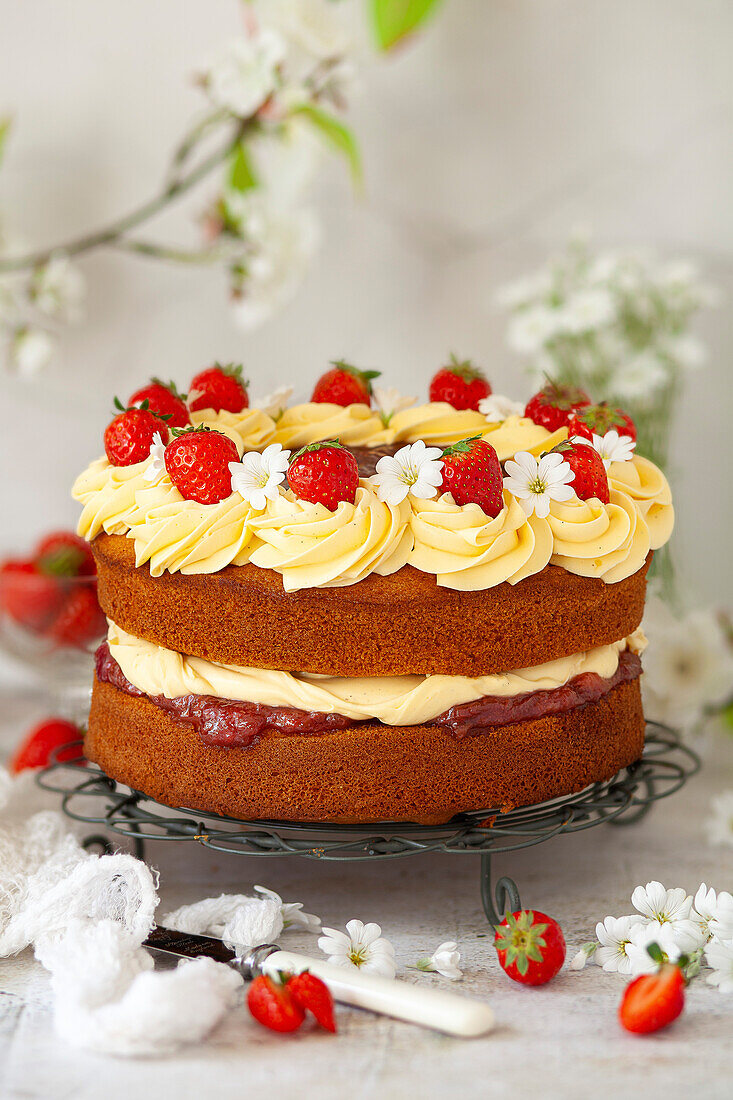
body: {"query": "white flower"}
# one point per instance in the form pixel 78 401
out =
pixel 640 377
pixel 156 466
pixel 535 484
pixel 30 351
pixel 613 447
pixel 360 946
pixel 258 476
pixel 244 74
pixel 314 26
pixel 415 469
pixel 688 667
pixel 643 935
pixel 668 911
pixel 273 262
pixel 58 289
pixel 713 912
pixel 292 912
pixel 532 328
pixel 720 823
pixel 274 403
pixel 444 960
pixel 586 310
pixel 614 937
pixel 390 401
pixel 496 407
pixel 719 956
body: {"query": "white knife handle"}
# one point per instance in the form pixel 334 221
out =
pixel 431 1008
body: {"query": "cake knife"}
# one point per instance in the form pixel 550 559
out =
pixel 432 1008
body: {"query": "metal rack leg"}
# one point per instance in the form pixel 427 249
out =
pixel 505 895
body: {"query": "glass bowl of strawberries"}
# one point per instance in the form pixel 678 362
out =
pixel 50 618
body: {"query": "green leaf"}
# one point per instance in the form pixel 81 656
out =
pixel 5 122
pixel 338 136
pixel 394 20
pixel 241 173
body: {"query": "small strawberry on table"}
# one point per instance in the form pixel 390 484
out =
pixel 530 946
pixel 280 1002
pixel 653 1001
pixel 36 748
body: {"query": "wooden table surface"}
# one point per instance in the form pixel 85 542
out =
pixel 559 1041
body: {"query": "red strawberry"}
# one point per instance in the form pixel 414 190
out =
pixel 599 419
pixel 324 473
pixel 472 473
pixel 27 596
pixel 64 554
pixel 530 946
pixel 165 401
pixel 197 461
pixel 591 479
pixel 552 406
pixel 460 384
pixel 127 438
pixel 80 620
pixel 35 749
pixel 313 995
pixel 273 1006
pixel 345 385
pixel 653 1001
pixel 218 388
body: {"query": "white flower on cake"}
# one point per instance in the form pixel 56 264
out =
pixel 390 401
pixel 668 911
pixel 292 912
pixel 713 911
pixel 497 408
pixel 415 470
pixel 719 825
pixel 156 466
pixel 535 484
pixel 244 75
pixel 719 957
pixel 614 937
pixel 274 403
pixel 613 447
pixel 361 946
pixel 257 478
pixel 444 960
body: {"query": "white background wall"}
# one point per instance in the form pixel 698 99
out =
pixel 485 142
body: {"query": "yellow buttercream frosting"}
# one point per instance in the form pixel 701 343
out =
pixel 108 495
pixel 312 547
pixel 593 539
pixel 519 433
pixel 468 550
pixel 436 423
pixel 649 489
pixel 352 425
pixel 250 429
pixel 394 700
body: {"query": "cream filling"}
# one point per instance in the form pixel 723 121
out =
pixel 394 700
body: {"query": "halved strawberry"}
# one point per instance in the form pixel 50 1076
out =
pixel 599 419
pixel 35 749
pixel 591 479
pixel 460 384
pixel 344 385
pixel 653 1001
pixel 324 473
pixel 472 474
pixel 165 401
pixel 313 995
pixel 552 406
pixel 273 1006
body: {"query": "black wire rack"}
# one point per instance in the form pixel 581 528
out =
pixel 90 796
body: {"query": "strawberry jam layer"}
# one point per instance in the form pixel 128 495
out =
pixel 228 723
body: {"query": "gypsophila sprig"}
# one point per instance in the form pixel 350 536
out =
pixel 257 478
pixel 361 946
pixel 415 470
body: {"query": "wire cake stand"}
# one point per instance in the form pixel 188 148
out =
pixel 90 796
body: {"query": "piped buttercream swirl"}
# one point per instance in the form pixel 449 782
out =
pixel 394 700
pixel 649 489
pixel 312 547
pixel 592 539
pixel 108 495
pixel 352 425
pixel 467 550
pixel 250 429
